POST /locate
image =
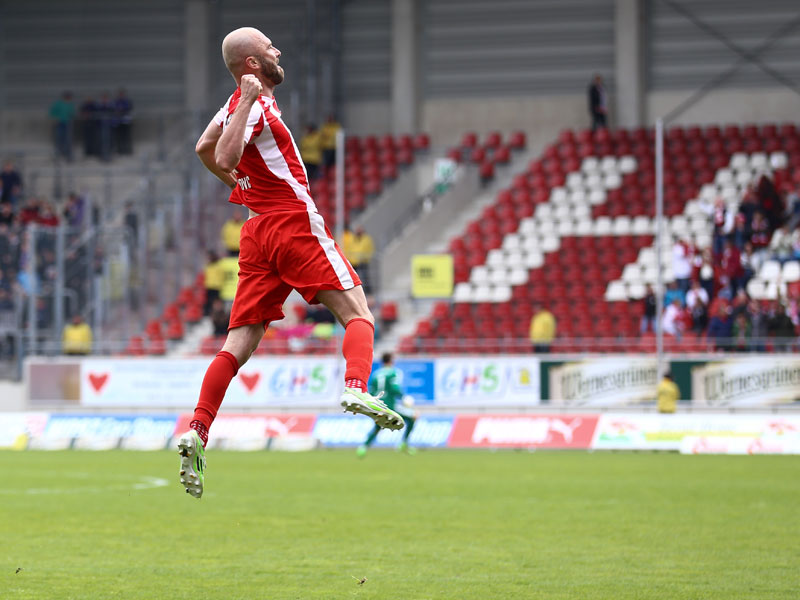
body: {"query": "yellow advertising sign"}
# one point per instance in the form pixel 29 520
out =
pixel 230 270
pixel 432 275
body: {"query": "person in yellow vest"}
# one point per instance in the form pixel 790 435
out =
pixel 214 277
pixel 231 231
pixel 311 151
pixel 667 394
pixel 328 138
pixel 77 337
pixel 362 249
pixel 542 329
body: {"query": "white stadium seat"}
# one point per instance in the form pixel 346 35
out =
pixel 744 177
pixel 515 259
pixel 597 197
pixel 791 271
pixel 709 192
pixel 632 272
pixel 641 226
pixel 566 227
pixel 558 195
pixel 575 180
pixel 602 226
pixel 616 291
pixel 778 160
pixel 678 225
pixel 479 275
pixel 609 165
pixel 527 225
pixel 724 177
pixel 622 225
pixel 500 293
pixel 482 293
pixel 770 271
pixel 583 226
pixel 544 211
pixel 498 275
pixel 517 276
pixel 755 289
pixel 636 290
pixel 759 161
pixel 533 259
pixel 740 160
pixel 594 182
pixel 647 256
pixel 495 258
pixel 650 274
pixel 612 181
pixel 590 164
pixel 512 241
pixel 577 196
pixel 550 243
pixel 582 210
pixel 532 244
pixel 462 292
pixel 563 212
pixel 627 164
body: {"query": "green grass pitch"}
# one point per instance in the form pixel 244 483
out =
pixel 441 524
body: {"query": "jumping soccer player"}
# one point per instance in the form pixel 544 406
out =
pixel 388 381
pixel 285 244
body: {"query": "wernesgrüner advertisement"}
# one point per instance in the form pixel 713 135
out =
pixel 612 381
pixel 751 381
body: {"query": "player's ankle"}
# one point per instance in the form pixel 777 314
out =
pixel 202 431
pixel 356 383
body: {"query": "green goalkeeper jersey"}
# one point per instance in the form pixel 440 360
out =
pixel 387 380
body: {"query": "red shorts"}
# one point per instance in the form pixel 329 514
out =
pixel 282 251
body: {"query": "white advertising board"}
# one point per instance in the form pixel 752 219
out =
pixel 624 431
pixel 176 383
pixel 610 381
pixel 750 381
pixel 487 381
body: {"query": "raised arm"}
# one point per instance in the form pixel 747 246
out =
pixel 205 149
pixel 231 143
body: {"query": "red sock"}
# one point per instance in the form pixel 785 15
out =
pixel 219 374
pixel 359 335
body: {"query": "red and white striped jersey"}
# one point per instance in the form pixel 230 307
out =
pixel 271 174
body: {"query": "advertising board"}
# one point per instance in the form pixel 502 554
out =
pixel 487 381
pixel 610 381
pixel 523 431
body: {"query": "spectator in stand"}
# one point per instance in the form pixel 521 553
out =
pixel 697 301
pixel 731 269
pixel 682 263
pixel 73 210
pixel 122 122
pixel 231 231
pixel 780 247
pixel 781 328
pixel 77 337
pixel 673 293
pixel 47 215
pixel 751 263
pixel 719 218
pixel 705 272
pixel 89 115
pixel 62 112
pixel 673 320
pixel 720 328
pixel 758 326
pixel 7 216
pixel 8 322
pixel 759 232
pixel 106 118
pixel 742 333
pixel 796 243
pixel 30 211
pixel 311 151
pixel 598 103
pixel 213 279
pixel 770 202
pixel 220 318
pixel 741 233
pixel 359 250
pixel 648 322
pixel 328 138
pixel 542 329
pixel 11 182
pixel 749 204
pixel 667 395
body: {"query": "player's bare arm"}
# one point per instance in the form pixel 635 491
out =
pixel 231 143
pixel 206 148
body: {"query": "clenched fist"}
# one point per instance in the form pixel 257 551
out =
pixel 251 88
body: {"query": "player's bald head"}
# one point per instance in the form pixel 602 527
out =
pixel 238 45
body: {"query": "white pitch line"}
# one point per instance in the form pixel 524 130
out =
pixel 145 483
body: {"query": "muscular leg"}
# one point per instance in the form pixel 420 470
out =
pixel 351 310
pixel 239 346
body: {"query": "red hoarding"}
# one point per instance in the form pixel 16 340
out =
pixel 523 431
pixel 249 426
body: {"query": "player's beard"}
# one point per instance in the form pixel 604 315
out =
pixel 270 70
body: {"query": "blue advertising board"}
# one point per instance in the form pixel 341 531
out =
pixel 343 431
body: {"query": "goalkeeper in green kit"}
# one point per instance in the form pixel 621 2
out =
pixel 386 383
